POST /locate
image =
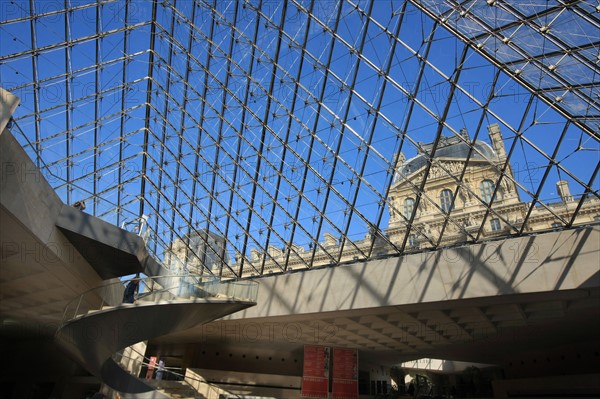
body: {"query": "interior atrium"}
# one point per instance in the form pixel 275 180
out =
pixel 302 156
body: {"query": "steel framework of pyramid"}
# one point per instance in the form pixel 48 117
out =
pixel 275 133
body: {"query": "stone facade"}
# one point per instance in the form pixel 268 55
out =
pixel 450 213
pixel 187 254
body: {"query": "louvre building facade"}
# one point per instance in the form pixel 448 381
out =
pixel 460 202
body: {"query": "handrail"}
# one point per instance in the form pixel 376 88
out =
pixel 154 289
pixel 178 376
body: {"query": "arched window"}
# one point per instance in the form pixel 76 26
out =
pixel 409 205
pixel 446 200
pixel 487 189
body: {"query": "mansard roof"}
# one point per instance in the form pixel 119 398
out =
pixel 449 148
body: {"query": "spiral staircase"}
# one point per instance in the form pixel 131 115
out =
pixel 96 326
pixel 72 251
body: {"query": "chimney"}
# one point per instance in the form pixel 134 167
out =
pixel 497 142
pixel 563 190
pixel 330 240
pixel 399 158
pixel 399 161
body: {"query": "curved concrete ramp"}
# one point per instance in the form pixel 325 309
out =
pixel 93 338
pixel 110 250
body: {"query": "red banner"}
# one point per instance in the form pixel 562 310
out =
pixel 345 374
pixel 315 376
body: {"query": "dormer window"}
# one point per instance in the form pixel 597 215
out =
pixel 409 206
pixel 446 200
pixel 487 190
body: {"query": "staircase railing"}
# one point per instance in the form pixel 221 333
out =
pixel 168 375
pixel 152 290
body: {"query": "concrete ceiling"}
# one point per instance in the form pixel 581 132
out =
pixel 482 330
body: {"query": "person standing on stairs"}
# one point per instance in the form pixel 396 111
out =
pixel 161 370
pixel 131 289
